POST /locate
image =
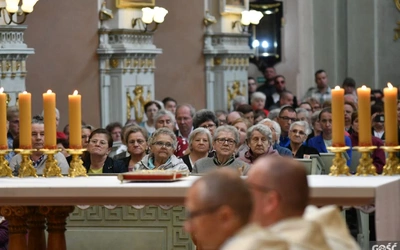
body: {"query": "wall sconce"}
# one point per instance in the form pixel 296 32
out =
pixel 21 9
pixel 148 16
pixel 248 17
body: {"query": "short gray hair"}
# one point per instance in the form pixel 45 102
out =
pixel 164 131
pixel 163 112
pixel 239 100
pixel 57 113
pixel 264 130
pixel 198 131
pixel 274 113
pixel 229 129
pixel 303 110
pixel 275 125
pixel 258 95
pixel 303 124
pixel 191 108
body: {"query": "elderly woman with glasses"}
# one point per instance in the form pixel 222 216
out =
pixel 225 142
pixel 200 144
pixel 259 140
pixel 97 160
pixel 135 138
pixel 162 146
pixel 298 133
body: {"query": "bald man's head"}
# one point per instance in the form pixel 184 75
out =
pixel 225 187
pixel 287 178
pixel 218 205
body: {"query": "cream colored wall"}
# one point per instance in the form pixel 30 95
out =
pixel 180 68
pixel 64 36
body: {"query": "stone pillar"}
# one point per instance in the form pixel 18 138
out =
pixel 13 54
pixel 227 60
pixel 127 64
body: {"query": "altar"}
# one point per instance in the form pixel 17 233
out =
pixel 58 197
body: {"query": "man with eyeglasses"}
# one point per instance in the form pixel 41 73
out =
pixel 280 192
pixel 226 140
pixel 218 208
pixel 37 157
pixel 286 116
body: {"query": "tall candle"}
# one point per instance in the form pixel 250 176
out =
pixel 3 120
pixel 390 105
pixel 75 121
pixel 50 128
pixel 25 120
pixel 338 117
pixel 364 116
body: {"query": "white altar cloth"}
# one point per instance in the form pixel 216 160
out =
pixel 100 190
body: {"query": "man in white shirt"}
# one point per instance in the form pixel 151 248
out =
pixel 280 190
pixel 218 207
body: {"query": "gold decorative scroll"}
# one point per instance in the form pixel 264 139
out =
pixel 234 91
pixel 137 103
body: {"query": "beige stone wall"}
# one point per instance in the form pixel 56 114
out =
pixel 180 69
pixel 65 59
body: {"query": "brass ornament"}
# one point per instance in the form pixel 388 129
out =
pixel 339 166
pixel 392 162
pixel 366 167
pixel 51 167
pixel 114 63
pixel 26 168
pixel 76 167
pixel 137 103
pixel 5 170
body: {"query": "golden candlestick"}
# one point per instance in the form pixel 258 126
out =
pixel 76 167
pixel 339 166
pixel 366 167
pixel 392 162
pixel 5 170
pixel 51 168
pixel 26 168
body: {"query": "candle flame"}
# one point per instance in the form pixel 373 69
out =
pixel 1 90
pixel 337 87
pixel 75 92
pixel 25 92
pixel 364 87
pixel 390 86
pixel 49 91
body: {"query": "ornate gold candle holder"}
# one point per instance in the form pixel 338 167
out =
pixel 26 168
pixel 366 167
pixel 76 167
pixel 5 170
pixel 51 168
pixel 392 162
pixel 339 166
